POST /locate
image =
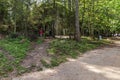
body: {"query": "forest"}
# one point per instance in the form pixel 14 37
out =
pixel 44 33
pixel 58 17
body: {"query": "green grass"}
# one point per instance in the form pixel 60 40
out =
pixel 17 48
pixel 40 40
pixel 60 49
pixel 5 65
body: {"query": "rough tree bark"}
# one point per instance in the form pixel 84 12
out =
pixel 77 30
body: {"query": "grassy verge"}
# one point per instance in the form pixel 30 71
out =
pixel 17 48
pixel 5 65
pixel 60 49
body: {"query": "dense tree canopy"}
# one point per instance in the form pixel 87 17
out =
pixel 96 17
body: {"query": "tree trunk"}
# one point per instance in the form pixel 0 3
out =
pixel 92 27
pixel 83 16
pixel 77 30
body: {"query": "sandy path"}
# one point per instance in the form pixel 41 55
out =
pixel 99 64
pixel 35 56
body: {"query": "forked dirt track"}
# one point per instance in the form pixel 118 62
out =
pixel 98 64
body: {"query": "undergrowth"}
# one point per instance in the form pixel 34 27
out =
pixel 60 49
pixel 5 65
pixel 17 48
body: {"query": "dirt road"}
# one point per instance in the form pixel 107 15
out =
pixel 99 64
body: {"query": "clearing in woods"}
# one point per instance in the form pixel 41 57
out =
pixel 98 64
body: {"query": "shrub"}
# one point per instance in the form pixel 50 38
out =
pixel 32 37
pixel 14 35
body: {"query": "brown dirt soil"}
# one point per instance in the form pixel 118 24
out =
pixel 34 57
pixel 98 64
pixel 32 62
pixel 6 54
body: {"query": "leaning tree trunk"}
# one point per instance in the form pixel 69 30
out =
pixel 77 30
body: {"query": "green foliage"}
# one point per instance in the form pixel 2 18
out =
pixel 44 63
pixel 17 48
pixel 21 70
pixel 96 16
pixel 3 10
pixel 55 61
pixel 40 40
pixel 4 28
pixel 5 65
pixel 60 49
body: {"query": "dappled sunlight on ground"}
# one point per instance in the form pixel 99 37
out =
pixel 71 60
pixel 98 64
pixel 49 71
pixel 117 42
pixel 106 71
